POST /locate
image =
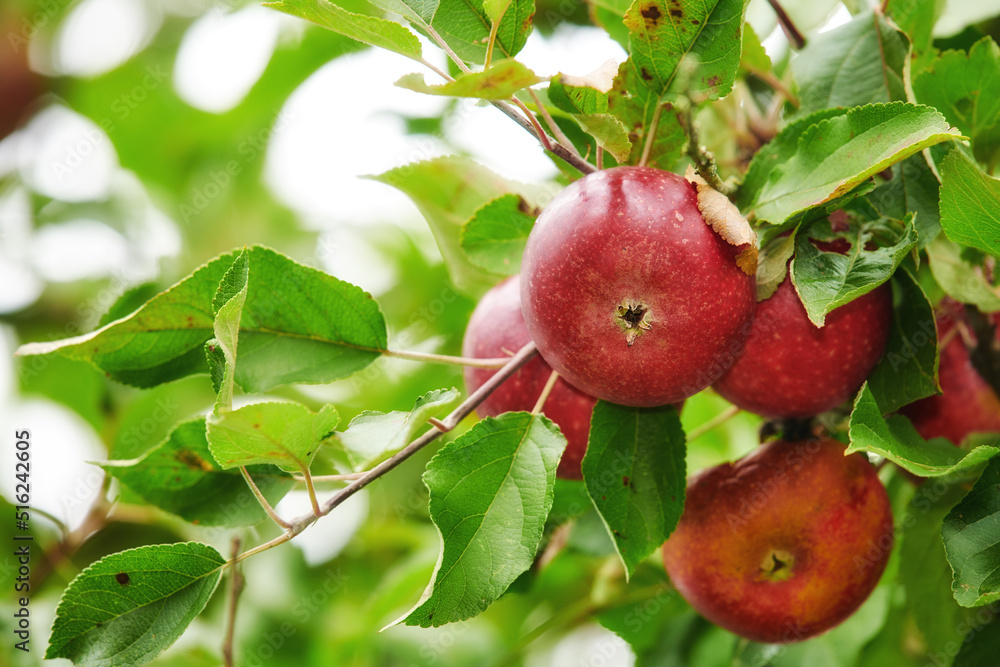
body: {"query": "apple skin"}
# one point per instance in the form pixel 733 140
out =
pixel 624 244
pixel 790 368
pixel 496 329
pixel 967 403
pixel 825 515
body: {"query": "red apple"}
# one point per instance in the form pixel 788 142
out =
pixel 790 368
pixel 783 544
pixel 967 403
pixel 629 294
pixel 497 329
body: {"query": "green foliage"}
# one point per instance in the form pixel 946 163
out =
pixel 373 435
pixel 972 541
pixel 970 204
pixel 909 369
pixel 494 237
pixel 127 607
pixel 181 476
pixel 897 440
pixel 634 471
pixel 500 81
pixel 490 492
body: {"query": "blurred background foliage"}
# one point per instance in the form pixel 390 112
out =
pixel 141 138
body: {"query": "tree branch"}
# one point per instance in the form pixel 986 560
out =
pixel 787 26
pixel 236 587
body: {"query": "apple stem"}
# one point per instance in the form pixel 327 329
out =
pixel 703 160
pixel 717 420
pixel 546 390
pixel 463 410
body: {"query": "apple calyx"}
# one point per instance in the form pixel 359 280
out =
pixel 777 565
pixel 634 318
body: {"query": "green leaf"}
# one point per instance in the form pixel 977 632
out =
pixel 369 30
pixel 576 99
pixel 180 476
pixel 283 434
pixel 772 264
pixel 609 132
pixel 465 26
pixel 609 14
pixel 641 111
pixel 897 440
pixel 828 280
pixel 499 82
pixel 490 492
pixel 413 10
pixel 914 189
pixel 857 63
pixel 128 607
pixel 753 57
pixel 917 19
pixel 982 646
pixel 909 369
pixel 959 277
pixel 965 87
pixel 297 325
pixel 971 534
pixel 448 191
pixel 635 474
pixel 826 158
pixel 495 9
pixel 970 204
pixel 495 236
pixel 228 306
pixel 685 46
pixel 373 435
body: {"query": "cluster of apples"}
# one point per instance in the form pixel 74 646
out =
pixel 633 296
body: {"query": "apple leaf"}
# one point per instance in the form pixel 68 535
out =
pixel 831 152
pixel 609 14
pixel 909 369
pixel 640 111
pixel 490 492
pixel 981 647
pixel 821 66
pixel 180 476
pixel 917 18
pixel 970 204
pixel 634 470
pixel 753 57
pixel 685 46
pixel 369 30
pixel 959 277
pixel 924 573
pixel 828 280
pixel 495 236
pixel 298 324
pixel 448 191
pixel 287 435
pixel 581 99
pixel 965 87
pixel 373 435
pixel 128 607
pixel 971 534
pixel 897 440
pixel 499 82
pixel 772 266
pixel 228 306
pixel 912 188
pixel 609 133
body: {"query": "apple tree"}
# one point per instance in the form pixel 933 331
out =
pixel 724 390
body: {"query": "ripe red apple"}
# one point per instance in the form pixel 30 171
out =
pixel 792 368
pixel 783 544
pixel 497 329
pixel 629 294
pixel 967 403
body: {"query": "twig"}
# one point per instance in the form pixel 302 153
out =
pixel 791 32
pixel 411 355
pixel 546 390
pixel 347 477
pixel 551 122
pixel 779 86
pixel 311 489
pixel 600 158
pixel 557 149
pixel 464 409
pixel 236 587
pixel 717 420
pixel 703 160
pixel 263 501
pixel 535 127
pixel 434 68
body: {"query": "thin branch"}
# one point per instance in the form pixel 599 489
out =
pixel 464 409
pixel 535 127
pixel 557 149
pixel 772 80
pixel 347 477
pixel 600 158
pixel 703 160
pixel 236 587
pixel 311 489
pixel 791 32
pixel 434 68
pixel 717 420
pixel 437 39
pixel 411 355
pixel 263 501
pixel 550 121
pixel 546 390
pixel 491 43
